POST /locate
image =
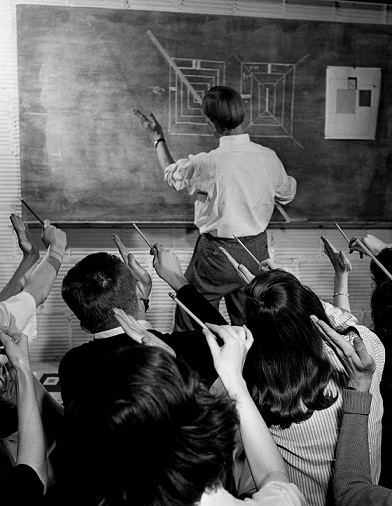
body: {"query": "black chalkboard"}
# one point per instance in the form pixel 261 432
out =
pixel 82 71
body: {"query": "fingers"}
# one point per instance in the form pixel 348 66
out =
pixel 345 261
pixel 121 248
pixel 360 349
pixel 140 115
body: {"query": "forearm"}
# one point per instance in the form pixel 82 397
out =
pixel 341 295
pixel 52 413
pixel 43 277
pixel 31 442
pixel 163 154
pixel 265 461
pixel 18 280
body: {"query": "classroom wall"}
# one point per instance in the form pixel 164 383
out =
pixel 300 249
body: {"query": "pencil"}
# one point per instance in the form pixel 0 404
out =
pixel 343 234
pixel 246 249
pixel 173 296
pixel 366 250
pixel 32 212
pixel 142 235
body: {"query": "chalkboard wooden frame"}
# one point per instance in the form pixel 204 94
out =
pixel 83 70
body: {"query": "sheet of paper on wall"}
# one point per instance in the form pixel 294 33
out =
pixel 351 102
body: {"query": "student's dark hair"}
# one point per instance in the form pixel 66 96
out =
pixel 381 300
pixel 287 370
pixel 94 286
pixel 163 437
pixel 223 106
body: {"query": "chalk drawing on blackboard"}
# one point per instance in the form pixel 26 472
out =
pixel 185 115
pixel 269 88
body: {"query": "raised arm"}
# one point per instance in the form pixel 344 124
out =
pixel 44 275
pixel 264 459
pixel 373 244
pixel 30 256
pixel 352 484
pixel 342 267
pixel 154 129
pixel 31 440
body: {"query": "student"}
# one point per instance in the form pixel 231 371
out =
pixel 234 187
pixel 296 380
pixel 351 481
pixel 164 439
pixel 25 480
pixel 381 311
pixel 26 291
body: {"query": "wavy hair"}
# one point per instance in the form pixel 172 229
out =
pixel 286 370
pixel 163 437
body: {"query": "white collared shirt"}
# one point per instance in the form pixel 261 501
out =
pixel 235 186
pixel 119 330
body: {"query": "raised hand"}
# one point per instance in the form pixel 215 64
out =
pixel 138 333
pixel 242 271
pixel 373 244
pixel 359 365
pixel 25 241
pixel 53 236
pixel 140 274
pixel 338 259
pixel 168 267
pixel 150 124
pixel 229 359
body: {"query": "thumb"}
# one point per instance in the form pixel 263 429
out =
pixel 46 224
pixel 361 351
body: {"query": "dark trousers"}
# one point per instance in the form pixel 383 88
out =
pixel 213 276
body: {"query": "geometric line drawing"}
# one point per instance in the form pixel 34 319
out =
pixel 185 116
pixel 269 89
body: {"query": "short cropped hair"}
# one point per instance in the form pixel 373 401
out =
pixel 287 370
pixel 164 438
pixel 223 106
pixel 97 284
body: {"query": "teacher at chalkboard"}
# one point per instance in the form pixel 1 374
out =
pixel 234 186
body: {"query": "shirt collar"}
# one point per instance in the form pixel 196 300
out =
pixel 234 139
pixel 119 330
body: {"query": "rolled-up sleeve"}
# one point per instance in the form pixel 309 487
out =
pixel 20 312
pixel 193 175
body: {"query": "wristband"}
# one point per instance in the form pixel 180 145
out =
pixel 161 139
pixel 56 252
pixel 341 293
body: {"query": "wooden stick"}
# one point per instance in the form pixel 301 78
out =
pixel 343 234
pixel 174 297
pixel 246 249
pixel 32 212
pixel 142 235
pixel 368 252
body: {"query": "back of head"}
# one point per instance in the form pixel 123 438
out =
pixel 286 368
pixel 164 438
pixel 223 106
pixel 94 286
pixel 381 301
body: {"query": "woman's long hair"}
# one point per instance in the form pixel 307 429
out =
pixel 287 370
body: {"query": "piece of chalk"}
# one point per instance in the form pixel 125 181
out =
pixel 173 296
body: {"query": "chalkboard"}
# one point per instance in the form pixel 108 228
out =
pixel 82 71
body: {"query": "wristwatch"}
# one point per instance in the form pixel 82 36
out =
pixel 161 139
